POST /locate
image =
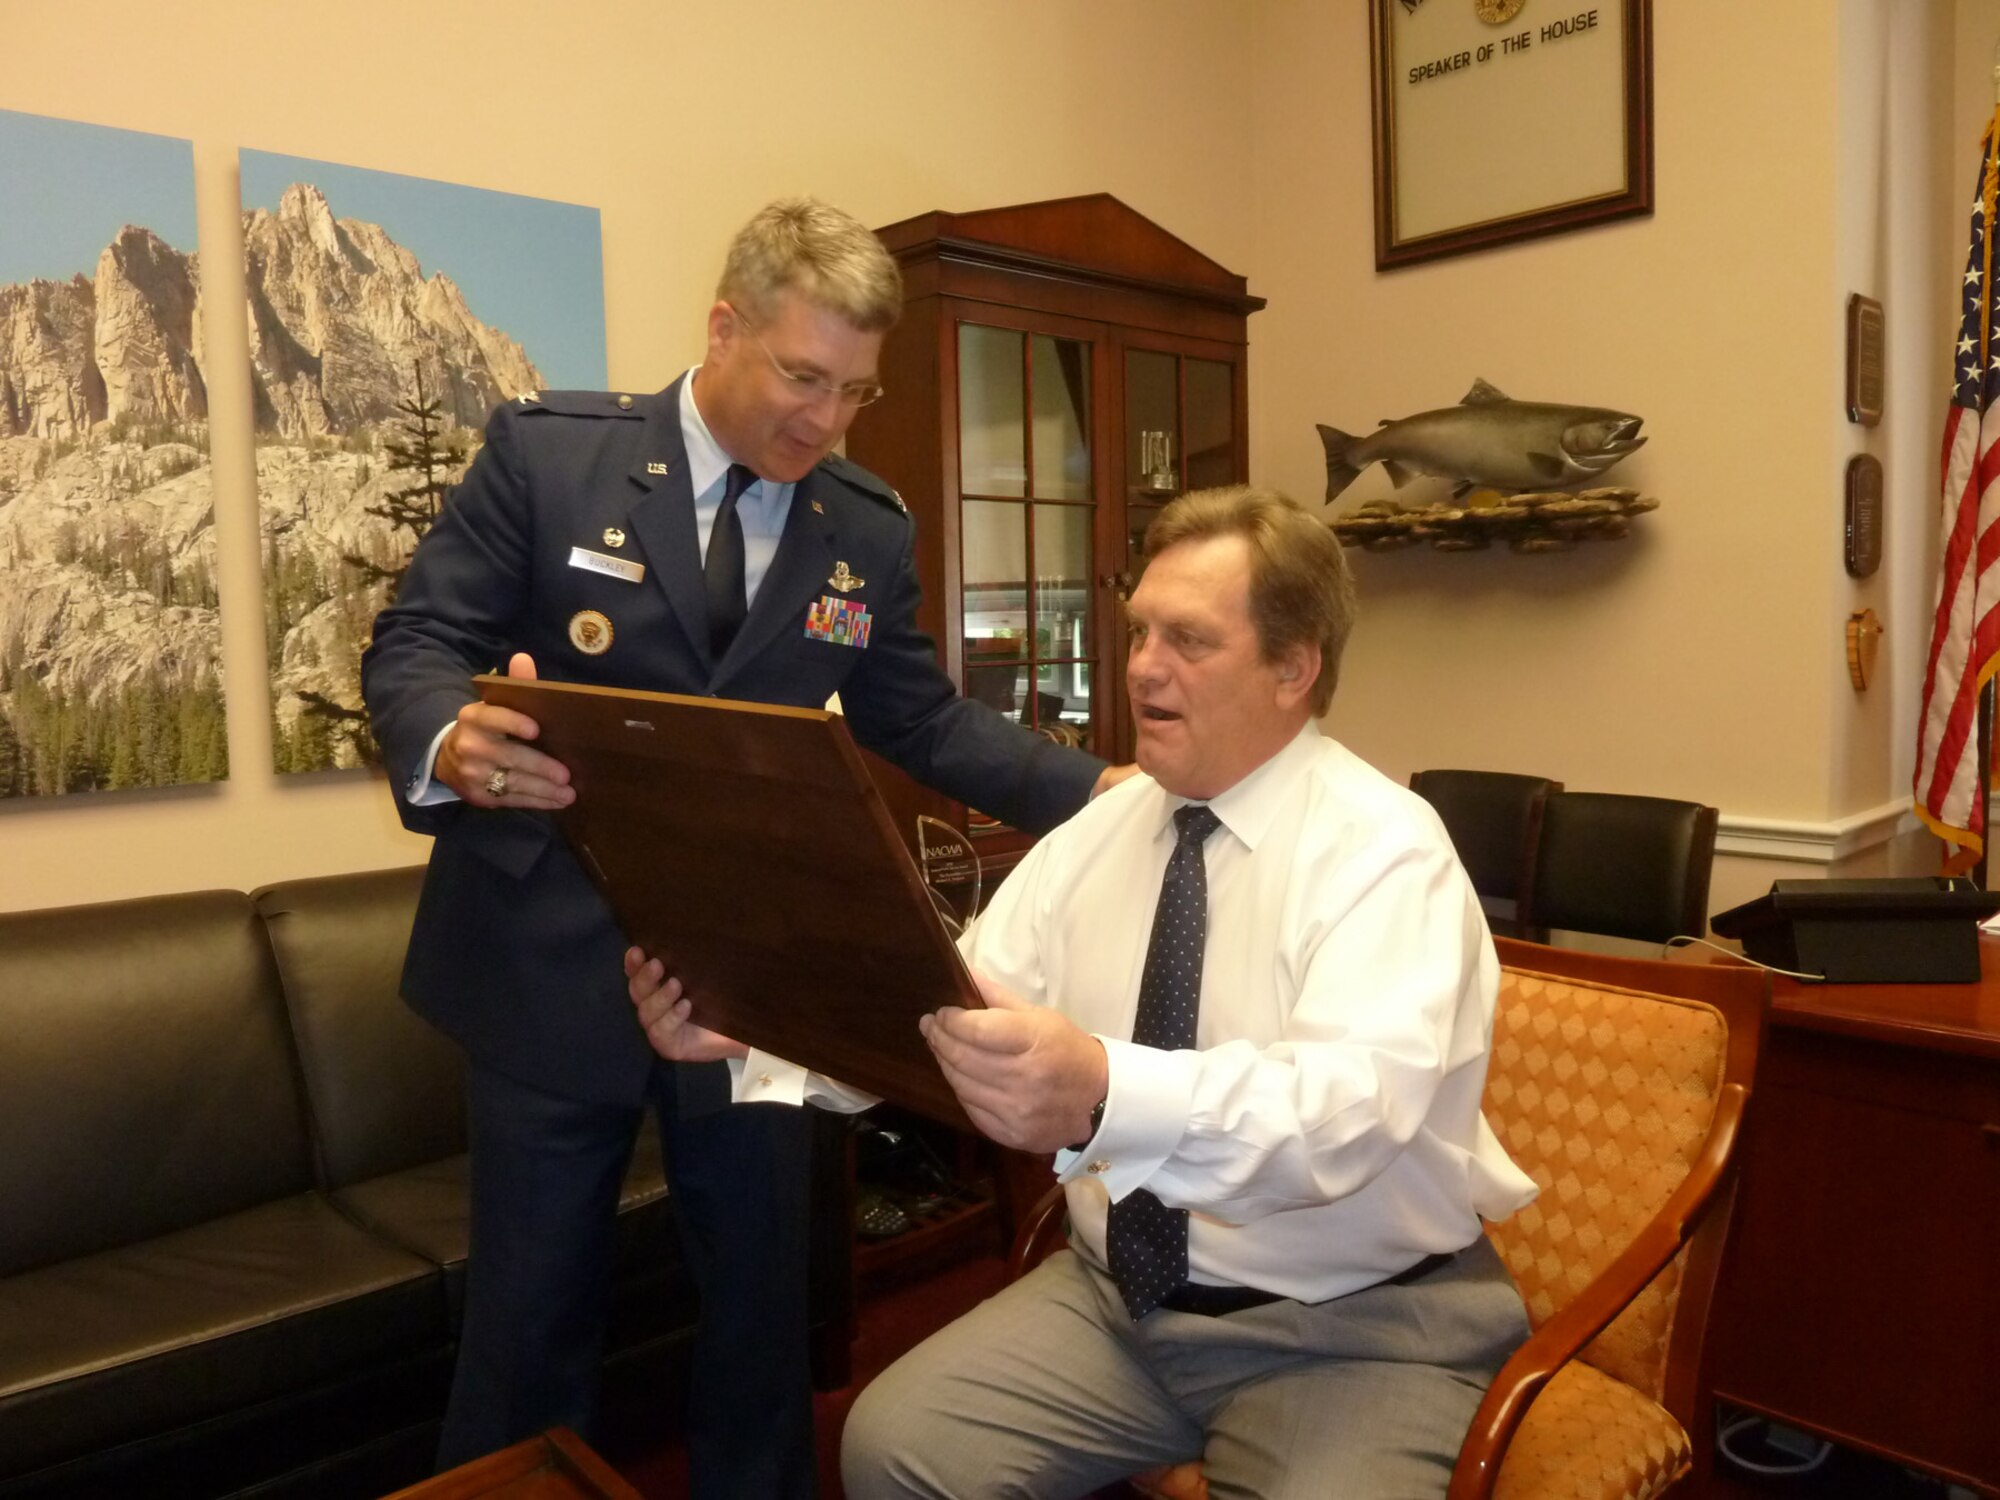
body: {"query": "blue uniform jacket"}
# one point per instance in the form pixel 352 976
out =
pixel 513 952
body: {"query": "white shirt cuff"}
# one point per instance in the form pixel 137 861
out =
pixel 422 791
pixel 1145 1115
pixel 762 1078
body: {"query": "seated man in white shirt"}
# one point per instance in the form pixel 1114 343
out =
pixel 1247 999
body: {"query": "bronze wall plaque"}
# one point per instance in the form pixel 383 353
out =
pixel 1864 515
pixel 1865 360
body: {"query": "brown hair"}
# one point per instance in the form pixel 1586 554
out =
pixel 1301 591
pixel 829 257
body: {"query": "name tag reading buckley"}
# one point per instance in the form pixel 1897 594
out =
pixel 613 567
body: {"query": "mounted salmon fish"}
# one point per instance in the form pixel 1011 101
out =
pixel 1488 440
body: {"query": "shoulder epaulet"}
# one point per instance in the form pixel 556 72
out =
pixel 856 477
pixel 582 403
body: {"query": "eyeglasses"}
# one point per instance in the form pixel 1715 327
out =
pixel 806 385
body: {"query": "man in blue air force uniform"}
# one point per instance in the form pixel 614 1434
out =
pixel 702 540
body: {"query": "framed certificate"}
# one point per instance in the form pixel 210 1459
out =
pixel 1501 120
pixel 746 847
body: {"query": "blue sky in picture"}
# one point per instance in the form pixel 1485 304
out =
pixel 531 267
pixel 67 188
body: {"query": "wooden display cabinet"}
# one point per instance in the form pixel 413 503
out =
pixel 1061 370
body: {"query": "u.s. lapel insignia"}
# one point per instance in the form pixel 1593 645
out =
pixel 843 580
pixel 841 622
pixel 818 509
pixel 529 398
pixel 613 537
pixel 656 468
pixel 590 632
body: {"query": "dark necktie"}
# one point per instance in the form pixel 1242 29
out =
pixel 728 601
pixel 1145 1240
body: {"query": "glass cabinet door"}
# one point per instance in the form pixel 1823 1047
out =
pixel 1208 422
pixel 1062 369
pixel 1180 434
pixel 1026 518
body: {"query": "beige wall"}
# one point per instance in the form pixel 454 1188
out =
pixel 1899 237
pixel 676 121
pixel 1636 666
pixel 1795 148
pixel 1804 150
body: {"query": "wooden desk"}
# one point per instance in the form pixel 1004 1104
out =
pixel 1860 1293
pixel 558 1465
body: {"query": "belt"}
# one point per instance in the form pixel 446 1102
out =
pixel 1220 1301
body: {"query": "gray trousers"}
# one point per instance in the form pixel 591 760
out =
pixel 1050 1390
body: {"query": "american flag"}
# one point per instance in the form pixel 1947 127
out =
pixel 1950 784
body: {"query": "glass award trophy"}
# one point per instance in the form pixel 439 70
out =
pixel 951 871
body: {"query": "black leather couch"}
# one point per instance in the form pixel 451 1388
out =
pixel 233 1204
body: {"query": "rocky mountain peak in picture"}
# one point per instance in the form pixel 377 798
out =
pixel 369 382
pixel 340 317
pixel 372 381
pixel 149 352
pixel 110 651
pixel 124 344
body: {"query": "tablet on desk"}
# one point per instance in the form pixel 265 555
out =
pixel 746 847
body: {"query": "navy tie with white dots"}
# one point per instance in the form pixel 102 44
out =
pixel 1145 1240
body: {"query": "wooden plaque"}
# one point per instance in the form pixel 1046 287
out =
pixel 1866 356
pixel 1864 515
pixel 745 846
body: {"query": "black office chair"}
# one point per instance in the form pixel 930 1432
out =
pixel 1621 866
pixel 1495 822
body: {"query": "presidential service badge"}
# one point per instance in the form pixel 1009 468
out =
pixel 590 632
pixel 843 622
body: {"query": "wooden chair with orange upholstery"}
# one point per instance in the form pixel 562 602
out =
pixel 1618 1084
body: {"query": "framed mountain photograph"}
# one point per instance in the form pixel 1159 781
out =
pixel 110 640
pixel 388 315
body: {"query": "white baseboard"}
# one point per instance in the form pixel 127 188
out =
pixel 1813 843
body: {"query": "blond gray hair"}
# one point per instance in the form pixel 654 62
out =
pixel 1301 591
pixel 830 258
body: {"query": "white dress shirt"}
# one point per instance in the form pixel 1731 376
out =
pixel 1325 1132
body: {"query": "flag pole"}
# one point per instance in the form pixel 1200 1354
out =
pixel 1986 689
pixel 1985 761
